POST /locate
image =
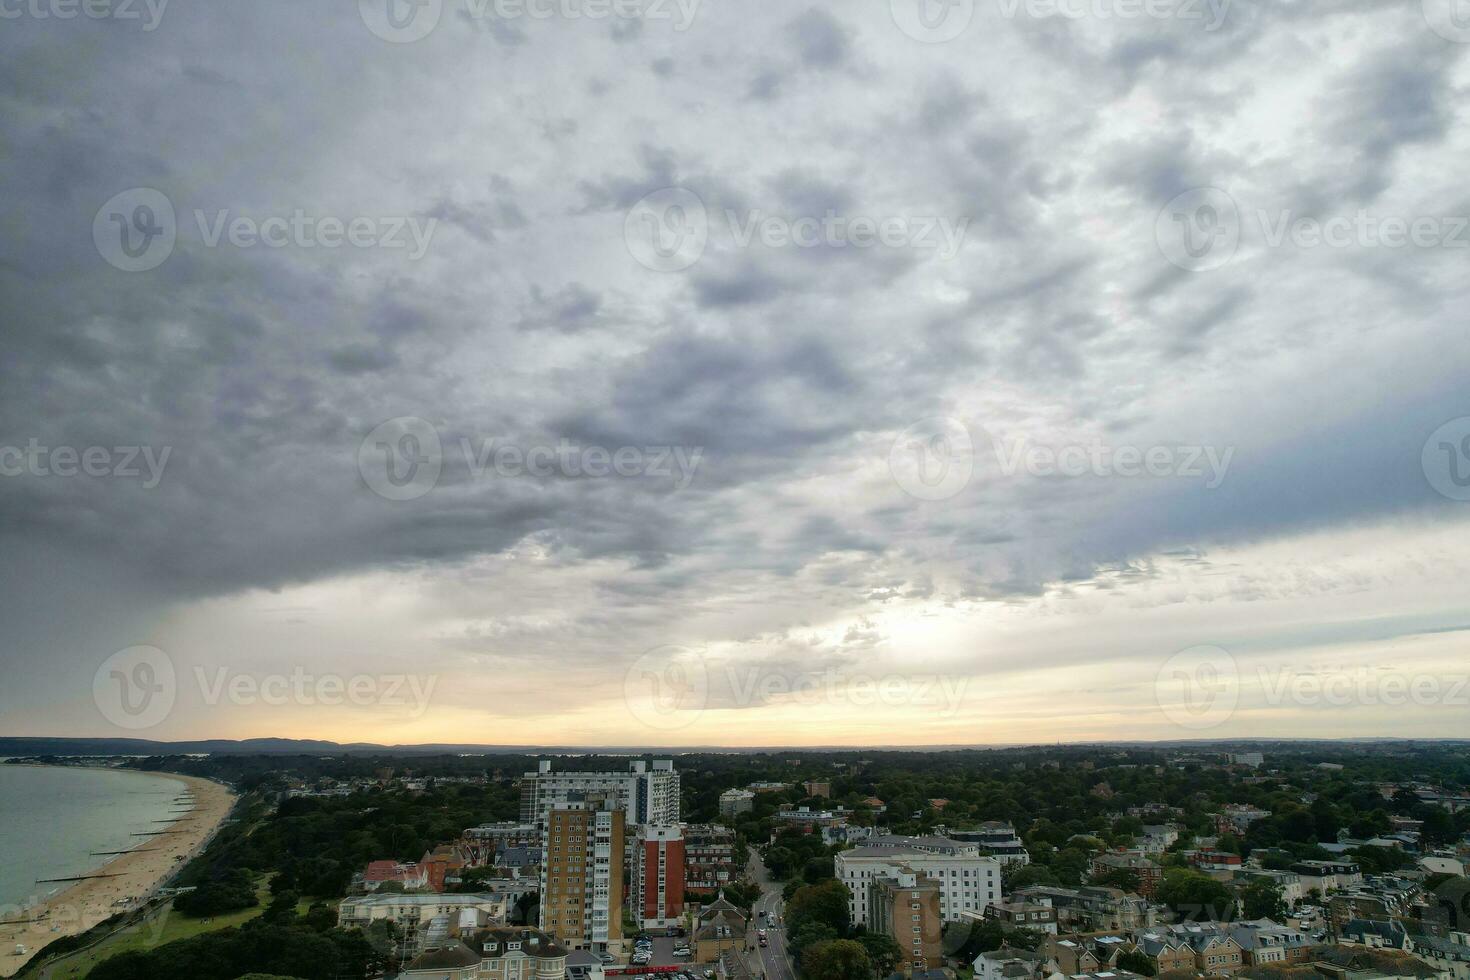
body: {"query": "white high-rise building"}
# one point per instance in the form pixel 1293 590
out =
pixel 734 802
pixel 968 881
pixel 645 794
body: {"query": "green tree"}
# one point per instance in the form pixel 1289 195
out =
pixel 1137 962
pixel 1261 899
pixel 836 959
pixel 824 902
pixel 1028 875
pixel 882 950
pixel 1125 878
pixel 809 934
pixel 1194 896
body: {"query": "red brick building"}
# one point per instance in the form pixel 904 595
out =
pixel 658 891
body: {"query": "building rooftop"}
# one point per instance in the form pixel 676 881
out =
pixel 455 956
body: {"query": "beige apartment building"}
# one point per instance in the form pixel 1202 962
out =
pixel 904 904
pixel 582 874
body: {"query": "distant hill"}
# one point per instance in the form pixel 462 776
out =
pixel 10 746
pixel 218 746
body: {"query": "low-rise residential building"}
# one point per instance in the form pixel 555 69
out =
pixel 1096 954
pixel 820 788
pixel 1263 942
pixel 493 954
pixel 1236 818
pixel 1441 864
pixel 996 836
pixel 1148 873
pixel 1288 883
pixel 805 816
pixel 1069 955
pixel 709 858
pixel 1378 897
pixel 1093 908
pixel 1158 838
pixel 1008 963
pixel 1165 951
pixel 1443 955
pixel 411 877
pixel 846 833
pixel 1374 933
pixel 1214 860
pixel 413 913
pixel 1215 950
pixel 1023 915
pixel 732 966
pixel 583 964
pixel 1155 811
pixel 720 928
pixel 483 842
pixel 1327 876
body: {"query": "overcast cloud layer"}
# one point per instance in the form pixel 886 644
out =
pixel 1048 387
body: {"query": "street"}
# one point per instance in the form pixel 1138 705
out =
pixel 774 961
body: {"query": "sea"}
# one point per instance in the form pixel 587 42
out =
pixel 54 819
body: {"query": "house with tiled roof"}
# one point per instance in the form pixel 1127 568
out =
pixel 1165 951
pixel 1375 934
pixel 1215 950
pixel 454 961
pixel 1266 942
pixel 721 928
pixel 732 966
pixel 504 953
pixel 1069 955
pixel 1443 955
pixel 412 877
pixel 1009 963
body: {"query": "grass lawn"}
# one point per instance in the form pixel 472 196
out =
pixel 164 926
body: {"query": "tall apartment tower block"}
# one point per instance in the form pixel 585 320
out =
pixel 658 876
pixel 645 793
pixel 582 873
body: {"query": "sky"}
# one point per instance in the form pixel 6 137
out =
pixel 658 373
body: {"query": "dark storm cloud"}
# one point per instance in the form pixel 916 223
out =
pixel 528 319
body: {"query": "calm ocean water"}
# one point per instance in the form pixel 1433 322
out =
pixel 52 819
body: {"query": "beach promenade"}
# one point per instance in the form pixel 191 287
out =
pixel 133 877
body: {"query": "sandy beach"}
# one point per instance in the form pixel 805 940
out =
pixel 140 872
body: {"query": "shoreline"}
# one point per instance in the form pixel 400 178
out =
pixel 75 907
